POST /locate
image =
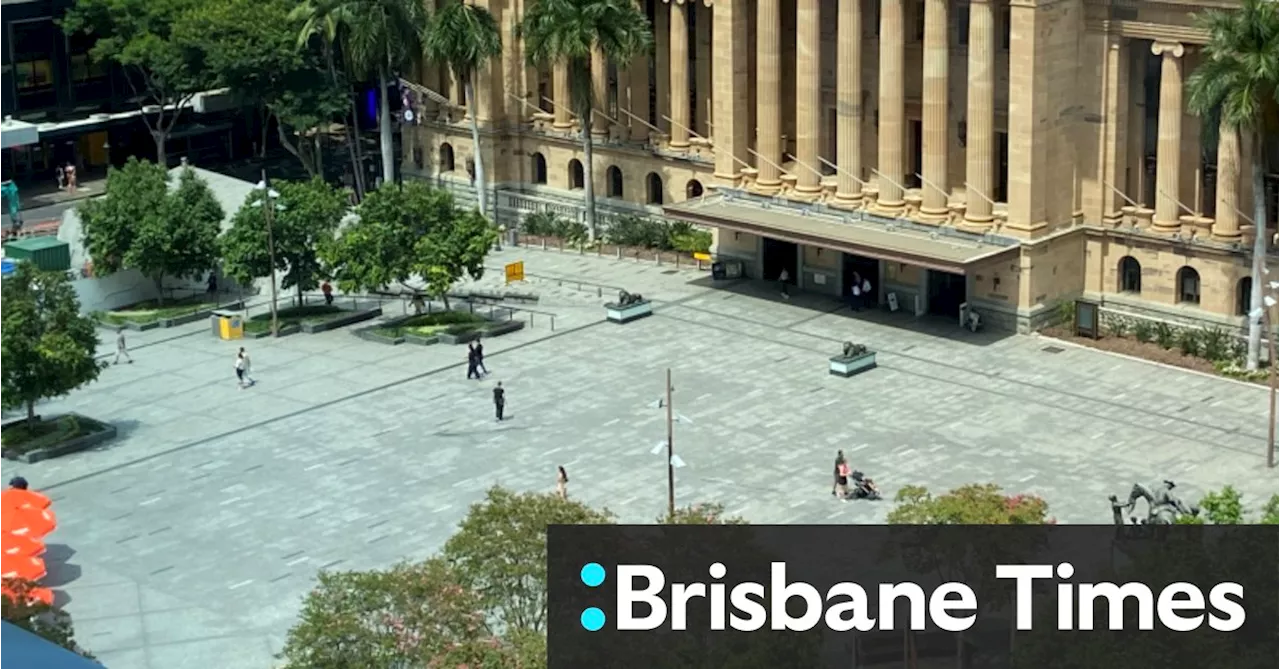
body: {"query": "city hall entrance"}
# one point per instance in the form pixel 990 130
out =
pixel 947 292
pixel 863 268
pixel 777 256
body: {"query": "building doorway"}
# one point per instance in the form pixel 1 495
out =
pixel 947 292
pixel 779 255
pixel 864 268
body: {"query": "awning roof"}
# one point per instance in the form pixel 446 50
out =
pixel 941 249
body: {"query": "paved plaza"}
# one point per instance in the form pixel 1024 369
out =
pixel 190 540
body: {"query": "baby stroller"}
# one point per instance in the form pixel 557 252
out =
pixel 863 487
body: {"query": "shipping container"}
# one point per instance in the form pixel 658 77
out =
pixel 46 253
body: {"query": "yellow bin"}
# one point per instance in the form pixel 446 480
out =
pixel 228 325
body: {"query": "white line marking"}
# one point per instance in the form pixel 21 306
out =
pixel 230 501
pixel 294 561
pixel 612 422
pixel 315 466
pixel 241 584
pixel 149 502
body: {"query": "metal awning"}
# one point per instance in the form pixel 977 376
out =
pixel 15 133
pixel 941 249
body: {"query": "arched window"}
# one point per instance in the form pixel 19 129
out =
pixel 653 186
pixel 1130 275
pixel 539 169
pixel 693 189
pixel 575 174
pixel 1244 296
pixel 1188 286
pixel 446 158
pixel 613 176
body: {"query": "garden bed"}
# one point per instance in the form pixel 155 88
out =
pixel 309 319
pixel 58 436
pixel 638 253
pixel 151 314
pixel 1212 351
pixel 449 327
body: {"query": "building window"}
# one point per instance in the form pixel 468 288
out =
pixel 446 158
pixel 1130 275
pixel 693 189
pixel 539 169
pixel 653 184
pixel 1188 286
pixel 613 176
pixel 32 42
pixel 1244 296
pixel 576 179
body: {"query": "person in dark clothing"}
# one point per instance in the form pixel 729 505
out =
pixel 472 362
pixel 499 400
pixel 18 482
pixel 480 368
pixel 212 283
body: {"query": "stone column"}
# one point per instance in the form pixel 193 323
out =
pixel 892 104
pixel 600 94
pixel 980 123
pixel 560 95
pixel 934 133
pixel 808 94
pixel 702 80
pixel 849 100
pixel 730 62
pixel 1169 133
pixel 679 75
pixel 662 65
pixel 639 75
pixel 1115 115
pixel 1226 224
pixel 768 94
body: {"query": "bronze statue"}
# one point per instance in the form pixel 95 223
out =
pixel 626 299
pixel 1163 507
pixel 852 350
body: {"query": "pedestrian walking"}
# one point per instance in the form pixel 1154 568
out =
pixel 122 348
pixel 61 176
pixel 70 171
pixel 784 281
pixel 480 368
pixel 473 362
pixel 839 481
pixel 866 293
pixel 328 293
pixel 562 482
pixel 243 366
pixel 500 401
pixel 212 283
pixel 855 293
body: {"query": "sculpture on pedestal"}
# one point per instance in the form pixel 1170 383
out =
pixel 1163 507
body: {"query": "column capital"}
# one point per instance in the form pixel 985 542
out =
pixel 1174 49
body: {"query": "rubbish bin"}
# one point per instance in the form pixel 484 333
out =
pixel 227 325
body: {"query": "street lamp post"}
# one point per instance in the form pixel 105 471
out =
pixel 671 454
pixel 268 205
pixel 1273 371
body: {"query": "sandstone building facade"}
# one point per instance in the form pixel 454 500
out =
pixel 1010 154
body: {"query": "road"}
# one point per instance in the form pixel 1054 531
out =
pixel 32 216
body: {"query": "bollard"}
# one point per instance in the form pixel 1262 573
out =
pixel 677 261
pixel 699 265
pixel 599 250
pixel 472 307
pixel 544 243
pixel 560 244
pixel 657 258
pixel 530 320
pixel 619 249
pixel 599 291
pixel 553 323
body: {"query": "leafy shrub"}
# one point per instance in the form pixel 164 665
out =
pixel 572 232
pixel 1215 344
pixel 695 241
pixel 1119 326
pixel 1238 349
pixel 1233 369
pixel 1143 330
pixel 540 223
pixel 1190 341
pixel 1165 336
pixel 1066 312
pixel 638 231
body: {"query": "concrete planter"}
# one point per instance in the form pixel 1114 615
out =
pixel 107 433
pixel 342 321
pixel 459 338
pixel 285 331
pixel 176 320
pixel 846 366
pixel 372 334
pixel 503 327
pixel 419 340
pixel 617 313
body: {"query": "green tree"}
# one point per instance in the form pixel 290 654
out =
pixel 465 36
pixel 143 224
pixel 381 37
pixel 500 552
pixel 570 33
pixel 974 504
pixel 49 348
pixel 321 24
pixel 42 620
pixel 251 48
pixel 1226 507
pixel 307 216
pixel 705 513
pixel 1236 82
pixel 408 232
pixel 164 70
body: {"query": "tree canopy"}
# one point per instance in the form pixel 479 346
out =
pixel 164 67
pixel 143 224
pixel 1226 507
pixel 306 217
pixel 49 348
pixel 975 504
pixel 410 232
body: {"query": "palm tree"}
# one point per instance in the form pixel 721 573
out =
pixel 321 20
pixel 465 37
pixel 568 32
pixel 1237 82
pixel 380 37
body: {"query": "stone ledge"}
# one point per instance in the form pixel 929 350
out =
pixel 342 321
pixel 285 331
pixel 847 366
pixel 175 321
pixel 68 447
pixel 616 313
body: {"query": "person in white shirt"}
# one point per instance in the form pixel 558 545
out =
pixel 122 348
pixel 784 280
pixel 243 366
pixel 866 293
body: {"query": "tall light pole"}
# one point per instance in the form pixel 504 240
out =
pixel 1273 370
pixel 269 205
pixel 673 461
